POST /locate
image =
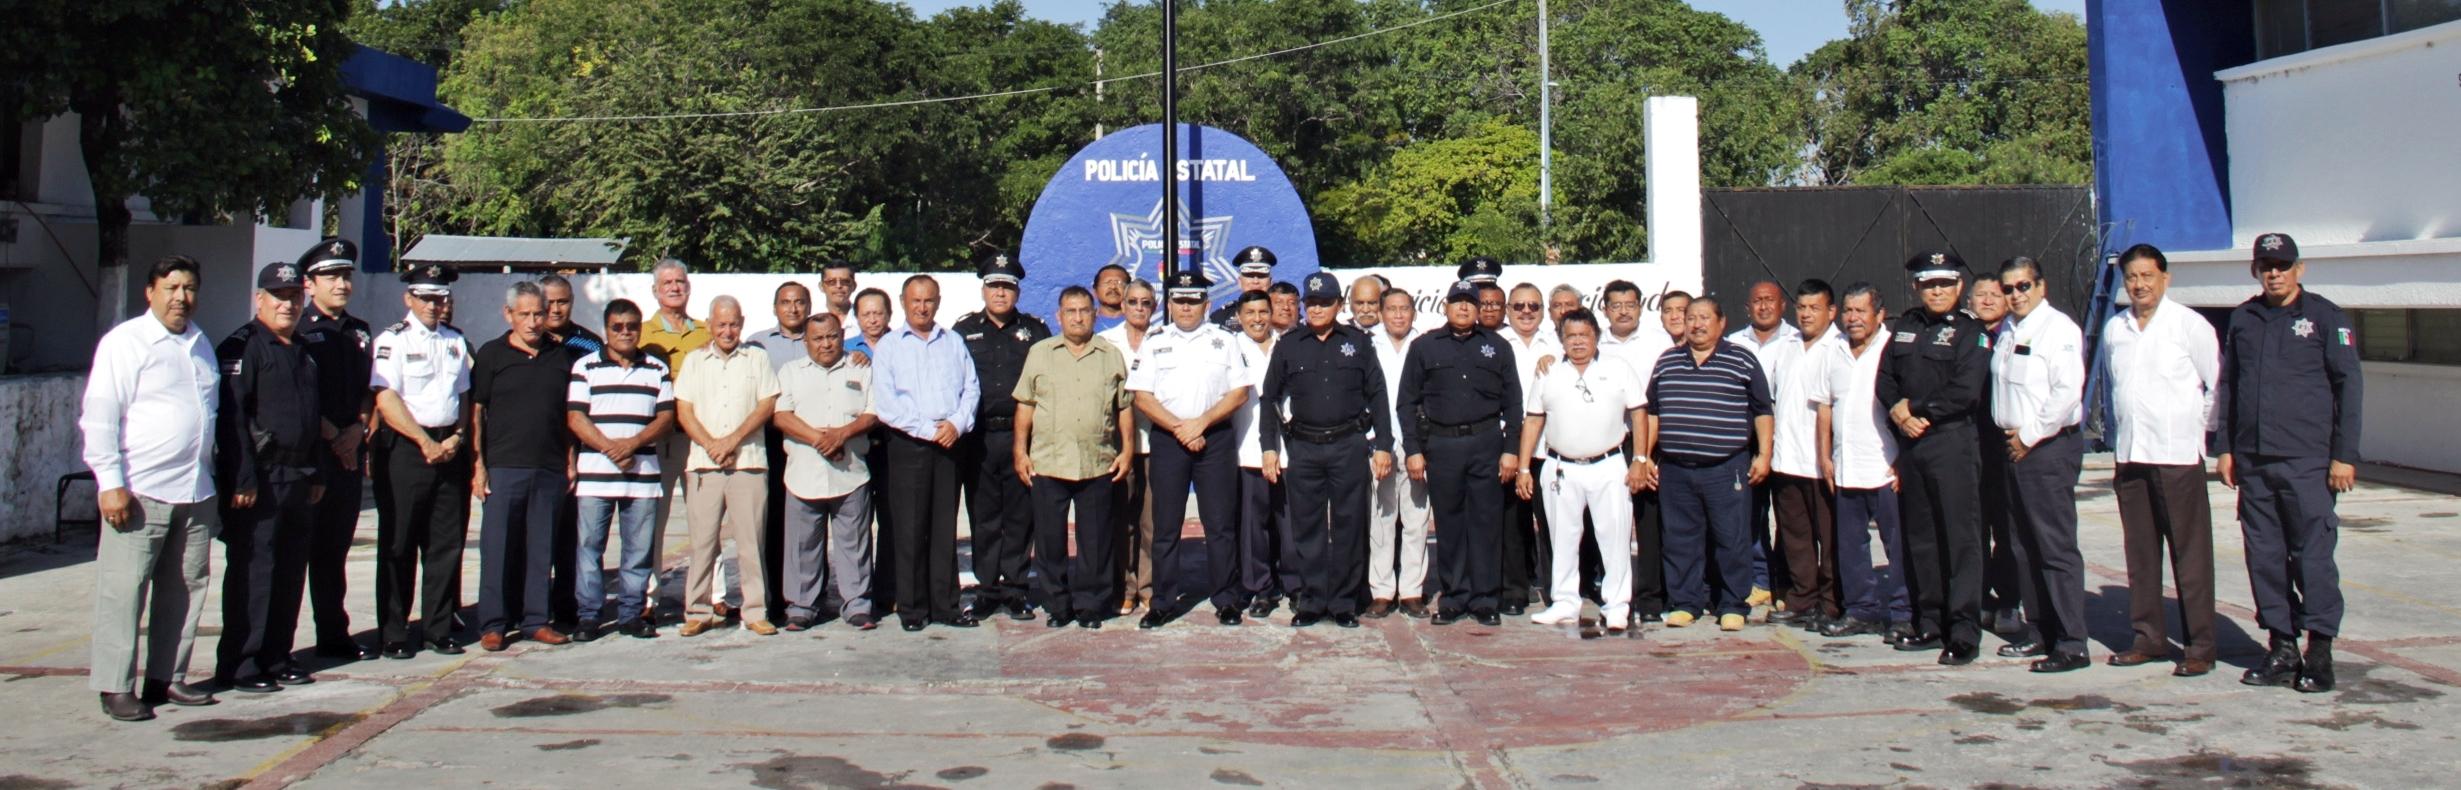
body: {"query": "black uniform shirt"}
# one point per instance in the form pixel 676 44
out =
pixel 1332 382
pixel 2290 380
pixel 1939 364
pixel 579 340
pixel 523 427
pixel 999 356
pixel 341 346
pixel 1450 379
pixel 268 430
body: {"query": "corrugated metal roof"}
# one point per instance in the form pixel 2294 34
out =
pixel 507 250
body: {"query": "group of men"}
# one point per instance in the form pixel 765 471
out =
pixel 1671 474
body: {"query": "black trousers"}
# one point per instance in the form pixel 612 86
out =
pixel 1649 557
pixel 1943 531
pixel 334 523
pixel 1469 518
pixel 422 522
pixel 883 594
pixel 265 559
pixel 2286 518
pixel 773 533
pixel 516 537
pixel 1214 471
pixel 2042 510
pixel 1525 524
pixel 563 607
pixel 1267 567
pixel 1002 510
pixel 920 489
pixel 1330 487
pixel 2005 584
pixel 1082 586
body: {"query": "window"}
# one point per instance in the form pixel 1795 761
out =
pixel 2427 337
pixel 2285 27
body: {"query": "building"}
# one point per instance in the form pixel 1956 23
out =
pixel 2331 120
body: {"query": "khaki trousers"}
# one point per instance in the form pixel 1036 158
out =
pixel 720 505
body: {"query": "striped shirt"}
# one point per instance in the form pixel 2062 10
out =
pixel 1705 410
pixel 621 401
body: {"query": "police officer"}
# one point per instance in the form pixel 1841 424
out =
pixel 999 502
pixel 1190 380
pixel 1255 274
pixel 1336 390
pixel 269 449
pixel 1462 385
pixel 422 457
pixel 340 343
pixel 1932 380
pixel 2289 421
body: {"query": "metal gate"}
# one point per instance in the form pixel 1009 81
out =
pixel 1846 234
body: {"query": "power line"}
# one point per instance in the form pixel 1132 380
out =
pixel 990 95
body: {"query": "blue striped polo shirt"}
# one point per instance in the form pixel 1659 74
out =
pixel 1705 410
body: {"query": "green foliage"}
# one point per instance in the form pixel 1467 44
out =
pixel 1447 200
pixel 1950 92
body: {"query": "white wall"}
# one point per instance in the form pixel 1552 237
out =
pixel 2350 143
pixel 41 445
pixel 2408 417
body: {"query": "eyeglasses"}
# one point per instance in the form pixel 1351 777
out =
pixel 1581 385
pixel 623 329
pixel 1138 302
pixel 1526 307
pixel 2023 287
pixel 1187 301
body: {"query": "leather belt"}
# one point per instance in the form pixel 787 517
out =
pixel 1551 455
pixel 996 424
pixel 1326 434
pixel 1450 431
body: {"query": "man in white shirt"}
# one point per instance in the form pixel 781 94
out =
pixel 423 463
pixel 1771 340
pixel 1862 470
pixel 148 422
pixel 1132 506
pixel 1526 543
pixel 1268 569
pixel 1624 338
pixel 1192 380
pixel 1398 498
pixel 2165 364
pixel 1583 405
pixel 1806 527
pixel 724 396
pixel 824 411
pixel 2037 399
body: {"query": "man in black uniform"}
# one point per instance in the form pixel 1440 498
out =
pixel 1336 391
pixel 1255 274
pixel 340 343
pixel 268 448
pixel 1932 378
pixel 1000 504
pixel 1461 383
pixel 1524 521
pixel 2289 420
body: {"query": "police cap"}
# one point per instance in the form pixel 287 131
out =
pixel 1321 285
pixel 278 275
pixel 430 280
pixel 330 254
pixel 1462 291
pixel 1256 260
pixel 999 269
pixel 1927 266
pixel 1188 283
pixel 2277 247
pixel 1481 269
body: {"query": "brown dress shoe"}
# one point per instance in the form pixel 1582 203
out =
pixel 547 635
pixel 1414 607
pixel 1129 605
pixel 2132 658
pixel 492 642
pixel 761 627
pixel 1378 608
pixel 693 627
pixel 723 611
pixel 2192 668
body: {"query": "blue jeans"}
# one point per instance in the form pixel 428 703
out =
pixel 632 520
pixel 1859 584
pixel 1708 510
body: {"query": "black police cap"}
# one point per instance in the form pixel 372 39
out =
pixel 1187 282
pixel 332 253
pixel 1321 285
pixel 1481 269
pixel 429 279
pixel 2277 247
pixel 1255 260
pixel 1936 266
pixel 278 275
pixel 1462 291
pixel 1000 269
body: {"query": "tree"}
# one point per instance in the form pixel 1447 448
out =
pixel 208 109
pixel 1444 201
pixel 1950 92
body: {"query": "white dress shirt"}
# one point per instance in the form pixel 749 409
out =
pixel 2163 375
pixel 428 368
pixel 1640 351
pixel 1189 371
pixel 1775 356
pixel 1586 409
pixel 2038 374
pixel 1134 354
pixel 1256 355
pixel 1796 393
pixel 1863 450
pixel 167 383
pixel 1390 354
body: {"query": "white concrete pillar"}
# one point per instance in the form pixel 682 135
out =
pixel 1671 153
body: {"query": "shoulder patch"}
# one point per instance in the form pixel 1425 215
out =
pixel 384 352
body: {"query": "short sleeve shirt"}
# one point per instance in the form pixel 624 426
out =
pixel 723 390
pixel 825 397
pixel 670 344
pixel 621 401
pixel 1076 403
pixel 524 399
pixel 1189 371
pixel 429 368
pixel 1587 409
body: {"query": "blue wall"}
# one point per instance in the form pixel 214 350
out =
pixel 2161 166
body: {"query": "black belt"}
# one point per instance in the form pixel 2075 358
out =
pixel 1698 462
pixel 988 424
pixel 1326 434
pixel 1552 455
pixel 1453 431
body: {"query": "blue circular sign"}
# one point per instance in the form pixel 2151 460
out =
pixel 1105 207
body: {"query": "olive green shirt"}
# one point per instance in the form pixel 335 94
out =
pixel 1077 401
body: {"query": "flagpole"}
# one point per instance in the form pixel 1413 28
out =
pixel 1170 138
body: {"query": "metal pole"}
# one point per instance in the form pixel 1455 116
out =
pixel 1546 131
pixel 1170 138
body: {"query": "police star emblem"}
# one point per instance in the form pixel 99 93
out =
pixel 1024 335
pixel 2273 241
pixel 1488 351
pixel 1938 259
pixel 2303 327
pixel 1349 350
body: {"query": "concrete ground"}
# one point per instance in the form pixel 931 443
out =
pixel 1399 703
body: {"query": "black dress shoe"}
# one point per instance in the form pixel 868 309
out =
pixel 1089 623
pixel 1019 611
pixel 350 652
pixel 1959 655
pixel 255 684
pixel 1652 617
pixel 1513 609
pixel 911 624
pixel 181 694
pixel 1263 607
pixel 2062 662
pixel 2316 669
pixel 639 629
pixel 1850 626
pixel 587 633
pixel 2280 667
pixel 446 647
pixel 293 676
pixel 1487 618
pixel 1305 620
pixel 1446 618
pixel 1787 617
pixel 1346 620
pixel 2029 648
pixel 1057 621
pixel 1154 618
pixel 125 706
pixel 1915 642
pixel 962 620
pixel 1228 617
pixel 400 650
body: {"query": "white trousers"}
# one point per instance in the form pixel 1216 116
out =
pixel 1398 498
pixel 1570 489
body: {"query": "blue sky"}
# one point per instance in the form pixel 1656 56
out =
pixel 1791 27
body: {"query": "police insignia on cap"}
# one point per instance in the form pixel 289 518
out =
pixel 1256 255
pixel 287 272
pixel 1939 259
pixel 2272 241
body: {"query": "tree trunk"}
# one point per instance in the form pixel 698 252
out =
pixel 100 129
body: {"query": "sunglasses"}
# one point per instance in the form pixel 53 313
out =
pixel 1187 301
pixel 2023 287
pixel 1526 307
pixel 1138 302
